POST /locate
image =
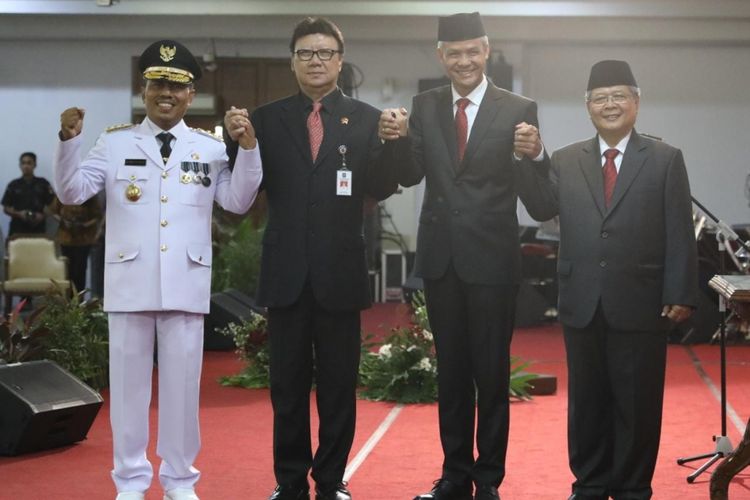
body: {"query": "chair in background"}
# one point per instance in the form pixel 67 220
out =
pixel 31 263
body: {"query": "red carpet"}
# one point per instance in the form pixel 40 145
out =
pixel 236 456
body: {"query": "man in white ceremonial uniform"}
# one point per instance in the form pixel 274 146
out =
pixel 160 191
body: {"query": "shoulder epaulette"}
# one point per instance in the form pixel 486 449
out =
pixel 121 126
pixel 208 134
pixel 650 136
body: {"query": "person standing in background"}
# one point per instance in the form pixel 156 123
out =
pixel 26 199
pixel 78 229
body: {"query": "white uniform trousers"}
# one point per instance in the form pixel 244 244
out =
pixel 131 363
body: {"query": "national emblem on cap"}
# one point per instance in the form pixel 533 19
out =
pixel 169 60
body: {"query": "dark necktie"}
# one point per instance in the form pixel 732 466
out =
pixel 315 129
pixel 166 145
pixel 610 174
pixel 462 127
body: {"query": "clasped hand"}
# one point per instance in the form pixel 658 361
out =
pixel 238 126
pixel 526 141
pixel 393 124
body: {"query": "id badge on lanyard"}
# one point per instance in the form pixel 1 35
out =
pixel 343 176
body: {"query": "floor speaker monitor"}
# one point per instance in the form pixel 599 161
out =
pixel 43 406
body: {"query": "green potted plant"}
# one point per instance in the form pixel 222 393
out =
pixel 21 339
pixel 78 340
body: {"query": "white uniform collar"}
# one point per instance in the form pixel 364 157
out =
pixel 177 131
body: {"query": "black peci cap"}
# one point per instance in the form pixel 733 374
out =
pixel 459 27
pixel 610 73
pixel 169 60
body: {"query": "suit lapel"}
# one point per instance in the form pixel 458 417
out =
pixel 293 118
pixel 591 166
pixel 488 109
pixel 444 107
pixel 635 157
pixel 147 143
pixel 341 118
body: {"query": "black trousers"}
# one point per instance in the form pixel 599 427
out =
pixel 78 259
pixel 306 342
pixel 615 395
pixel 472 327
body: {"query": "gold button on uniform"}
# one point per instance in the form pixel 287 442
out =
pixel 164 223
pixel 164 175
pixel 120 255
pixel 164 198
pixel 164 248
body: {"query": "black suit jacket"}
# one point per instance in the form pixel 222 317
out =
pixel 469 210
pixel 311 232
pixel 634 257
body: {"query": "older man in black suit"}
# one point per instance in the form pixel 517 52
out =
pixel 320 152
pixel 470 140
pixel 627 267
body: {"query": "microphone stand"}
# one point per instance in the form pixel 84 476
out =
pixel 724 446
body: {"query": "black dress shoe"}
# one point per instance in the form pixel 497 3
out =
pixel 338 492
pixel 447 490
pixel 486 492
pixel 579 496
pixel 290 492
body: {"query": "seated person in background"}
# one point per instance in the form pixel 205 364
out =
pixel 25 199
pixel 78 229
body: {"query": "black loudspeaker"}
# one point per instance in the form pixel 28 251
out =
pixel 229 306
pixel 43 406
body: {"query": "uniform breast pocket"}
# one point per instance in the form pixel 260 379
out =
pixel 132 182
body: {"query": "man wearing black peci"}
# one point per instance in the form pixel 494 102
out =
pixel 627 269
pixel 471 142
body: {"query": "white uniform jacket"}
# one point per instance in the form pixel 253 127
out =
pixel 158 247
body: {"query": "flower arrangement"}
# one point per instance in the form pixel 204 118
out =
pixel 251 339
pixel 402 368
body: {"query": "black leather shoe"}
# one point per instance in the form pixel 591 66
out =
pixel 486 492
pixel 579 496
pixel 447 490
pixel 290 492
pixel 338 492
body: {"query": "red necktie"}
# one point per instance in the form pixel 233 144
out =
pixel 462 127
pixel 610 174
pixel 315 129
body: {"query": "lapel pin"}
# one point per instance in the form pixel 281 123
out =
pixel 344 120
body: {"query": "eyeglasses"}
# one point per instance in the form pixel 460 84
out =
pixel 323 54
pixel 602 99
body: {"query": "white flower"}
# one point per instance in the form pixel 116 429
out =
pixel 424 364
pixel 411 348
pixel 385 351
pixel 427 334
